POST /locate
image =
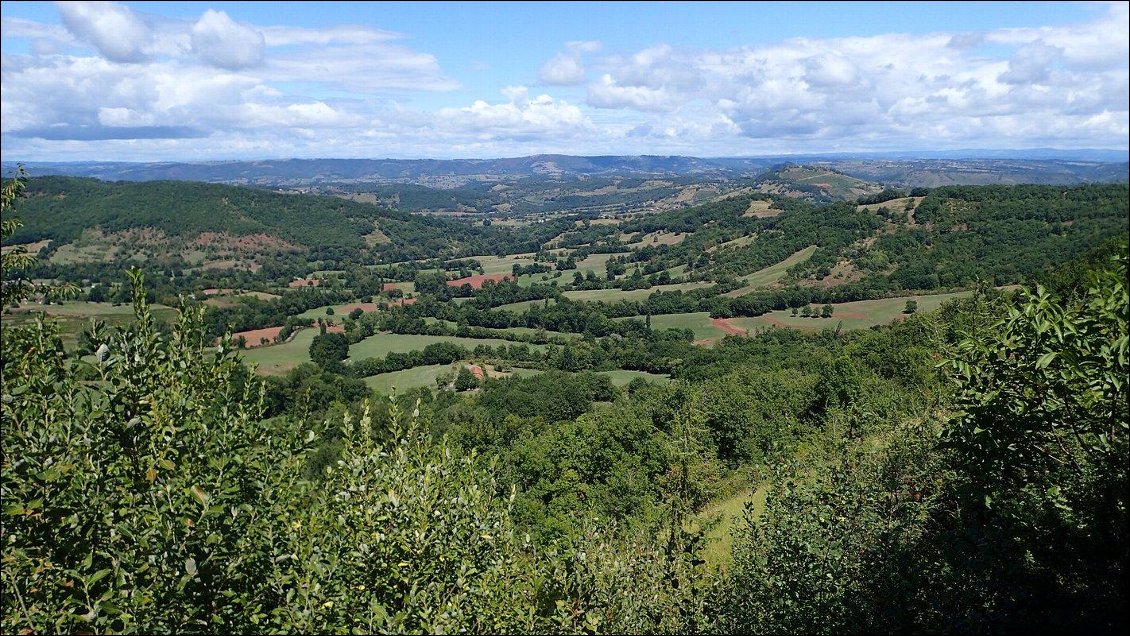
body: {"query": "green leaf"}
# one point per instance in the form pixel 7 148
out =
pixel 1046 359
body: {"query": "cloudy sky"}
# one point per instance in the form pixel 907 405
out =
pixel 185 81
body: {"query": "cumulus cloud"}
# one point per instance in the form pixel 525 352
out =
pixel 111 28
pixel 518 117
pixel 1032 64
pixel 609 94
pixel 110 82
pixel 568 69
pixel 563 70
pixel 1051 86
pixel 223 42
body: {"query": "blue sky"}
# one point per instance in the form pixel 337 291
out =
pixel 199 80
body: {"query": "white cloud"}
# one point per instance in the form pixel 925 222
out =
pixel 111 28
pixel 568 69
pixel 563 70
pixel 223 42
pixel 289 36
pixel 608 94
pixel 1051 87
pixel 110 82
pixel 521 116
pixel 583 46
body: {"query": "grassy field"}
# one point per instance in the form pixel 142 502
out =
pixel 860 314
pixel 521 307
pixel 340 311
pixel 503 264
pixel 895 205
pixel 74 316
pixel 382 344
pixel 760 209
pixel 596 263
pixel 426 377
pixel 738 242
pixel 613 295
pixel 409 378
pixel 698 321
pixel 771 274
pixel 281 358
pixel 724 515
pixel 659 237
pixel 621 377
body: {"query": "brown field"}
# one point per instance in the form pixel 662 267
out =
pixel 304 282
pixel 255 336
pixel 476 281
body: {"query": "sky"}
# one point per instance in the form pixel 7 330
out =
pixel 195 81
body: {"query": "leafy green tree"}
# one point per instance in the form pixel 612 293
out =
pixel 139 502
pixel 826 311
pixel 911 307
pixel 1043 399
pixel 13 287
pixel 327 350
pixel 465 380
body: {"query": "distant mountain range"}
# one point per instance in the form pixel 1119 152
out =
pixel 897 169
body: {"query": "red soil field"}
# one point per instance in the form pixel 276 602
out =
pixel 728 327
pixel 253 337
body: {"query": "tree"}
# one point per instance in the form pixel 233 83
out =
pixel 13 287
pixel 826 311
pixel 466 380
pixel 327 350
pixel 1040 438
pixel 911 307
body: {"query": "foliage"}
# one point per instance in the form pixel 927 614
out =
pixel 152 498
pixel 465 380
pixel 13 287
pixel 327 350
pixel 835 551
pixel 137 500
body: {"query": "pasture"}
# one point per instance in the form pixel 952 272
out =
pixel 425 376
pixel 699 322
pixel 621 377
pixel 380 345
pixel 773 273
pixel 859 314
pixel 614 295
pixel 74 316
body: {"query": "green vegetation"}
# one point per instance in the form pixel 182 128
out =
pixel 959 468
pixel 860 314
pixel 613 295
pixel 385 343
pixel 773 273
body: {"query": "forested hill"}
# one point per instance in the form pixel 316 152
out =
pixel 175 214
